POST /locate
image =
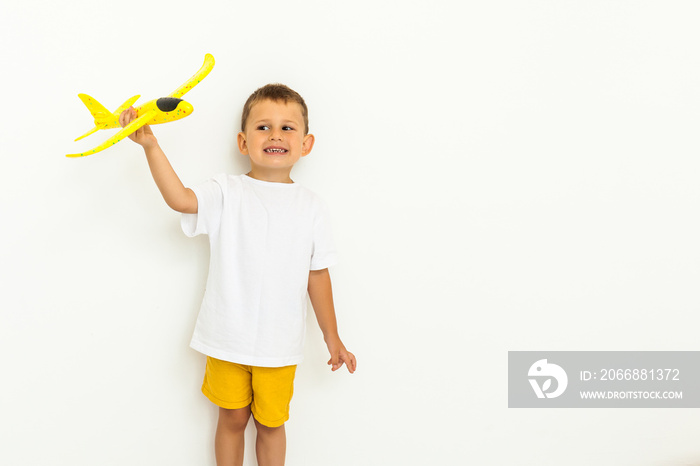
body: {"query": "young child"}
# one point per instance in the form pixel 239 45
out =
pixel 270 245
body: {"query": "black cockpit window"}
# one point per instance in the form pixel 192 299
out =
pixel 167 104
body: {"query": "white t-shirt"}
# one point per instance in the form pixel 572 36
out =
pixel 264 239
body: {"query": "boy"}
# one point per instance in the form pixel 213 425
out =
pixel 270 245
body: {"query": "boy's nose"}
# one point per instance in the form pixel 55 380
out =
pixel 276 134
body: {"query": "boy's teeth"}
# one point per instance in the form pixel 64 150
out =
pixel 275 150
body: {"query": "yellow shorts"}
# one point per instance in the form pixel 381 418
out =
pixel 267 389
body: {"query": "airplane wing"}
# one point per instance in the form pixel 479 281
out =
pixel 125 131
pixel 194 80
pixel 126 105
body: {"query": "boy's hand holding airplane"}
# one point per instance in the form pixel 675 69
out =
pixel 144 135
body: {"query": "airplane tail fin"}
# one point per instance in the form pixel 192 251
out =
pixel 104 119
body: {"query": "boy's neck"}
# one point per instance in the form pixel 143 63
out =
pixel 271 176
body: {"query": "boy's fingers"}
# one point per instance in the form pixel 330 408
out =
pixel 335 362
pixel 353 363
pixel 126 117
pixel 345 357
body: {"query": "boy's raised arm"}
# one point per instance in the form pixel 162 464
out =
pixel 175 194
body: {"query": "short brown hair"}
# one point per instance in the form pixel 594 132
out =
pixel 276 93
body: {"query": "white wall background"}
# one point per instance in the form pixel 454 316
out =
pixel 504 175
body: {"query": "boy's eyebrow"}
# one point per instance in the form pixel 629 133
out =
pixel 267 120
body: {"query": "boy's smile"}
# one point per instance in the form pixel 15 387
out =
pixel 274 139
pixel 276 150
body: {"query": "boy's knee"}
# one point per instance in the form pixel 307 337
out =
pixel 267 430
pixel 234 419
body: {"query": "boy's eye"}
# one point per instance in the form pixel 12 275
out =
pixel 267 128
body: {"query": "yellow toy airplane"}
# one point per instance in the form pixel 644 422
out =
pixel 157 111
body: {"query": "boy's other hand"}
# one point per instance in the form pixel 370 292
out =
pixel 143 136
pixel 340 356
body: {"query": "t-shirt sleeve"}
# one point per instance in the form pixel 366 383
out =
pixel 210 201
pixel 324 254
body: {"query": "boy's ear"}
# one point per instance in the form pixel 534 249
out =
pixel 242 143
pixel 308 144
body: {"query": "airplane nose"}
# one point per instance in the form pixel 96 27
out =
pixel 185 107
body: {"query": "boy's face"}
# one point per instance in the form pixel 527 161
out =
pixel 274 138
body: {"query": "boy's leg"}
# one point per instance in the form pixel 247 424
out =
pixel 228 386
pixel 229 442
pixel 273 388
pixel 270 445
